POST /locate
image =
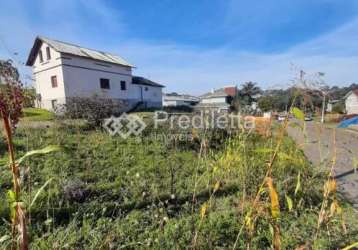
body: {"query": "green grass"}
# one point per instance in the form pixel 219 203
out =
pixel 36 114
pixel 138 194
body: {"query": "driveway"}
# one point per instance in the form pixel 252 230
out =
pixel 319 147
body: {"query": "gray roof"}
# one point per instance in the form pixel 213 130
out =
pixel 72 49
pixel 177 97
pixel 144 81
pixel 217 93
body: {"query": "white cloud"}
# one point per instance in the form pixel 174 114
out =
pixel 195 70
pixel 181 68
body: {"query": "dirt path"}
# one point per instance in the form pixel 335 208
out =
pixel 319 148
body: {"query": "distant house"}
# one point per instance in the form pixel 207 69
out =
pixel 331 104
pixel 150 92
pixel 177 100
pixel 63 71
pixel 351 100
pixel 219 99
pixel 254 103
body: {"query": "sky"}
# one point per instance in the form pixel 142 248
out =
pixel 194 46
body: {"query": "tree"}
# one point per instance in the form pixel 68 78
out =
pixel 266 103
pixel 248 91
pixel 11 92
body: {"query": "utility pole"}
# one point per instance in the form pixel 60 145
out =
pixel 323 88
pixel 323 106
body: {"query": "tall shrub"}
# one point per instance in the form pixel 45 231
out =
pixel 11 100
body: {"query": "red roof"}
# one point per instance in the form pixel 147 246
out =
pixel 355 91
pixel 231 91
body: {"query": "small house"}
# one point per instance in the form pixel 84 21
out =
pixel 218 99
pixel 351 101
pixel 177 100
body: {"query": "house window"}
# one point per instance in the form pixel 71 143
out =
pixel 146 88
pixel 48 53
pixel 54 104
pixel 123 85
pixel 54 81
pixel 104 83
pixel 41 56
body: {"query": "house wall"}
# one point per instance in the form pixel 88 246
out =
pixel 352 104
pixel 82 82
pixel 175 103
pixel 152 96
pixel 82 79
pixel 42 72
pixel 214 100
pixel 54 61
pixel 169 103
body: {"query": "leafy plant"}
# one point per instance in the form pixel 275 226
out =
pixel 11 100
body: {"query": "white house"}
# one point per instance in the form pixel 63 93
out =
pixel 352 102
pixel 63 71
pixel 218 99
pixel 177 100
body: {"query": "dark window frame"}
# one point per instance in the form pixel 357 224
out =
pixel 41 57
pixel 48 53
pixel 54 103
pixel 54 82
pixel 123 85
pixel 104 83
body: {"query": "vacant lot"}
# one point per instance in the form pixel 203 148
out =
pixel 105 192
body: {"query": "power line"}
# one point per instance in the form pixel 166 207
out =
pixel 11 54
pixel 14 56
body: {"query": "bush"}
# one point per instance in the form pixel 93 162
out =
pixel 338 108
pixel 92 109
pixel 29 97
pixel 182 108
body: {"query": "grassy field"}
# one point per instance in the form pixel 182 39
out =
pixel 105 192
pixel 36 114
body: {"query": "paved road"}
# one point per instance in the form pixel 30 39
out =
pixel 319 149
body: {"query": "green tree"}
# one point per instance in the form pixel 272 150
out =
pixel 248 91
pixel 266 103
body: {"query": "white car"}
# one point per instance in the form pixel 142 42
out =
pixel 308 118
pixel 281 118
